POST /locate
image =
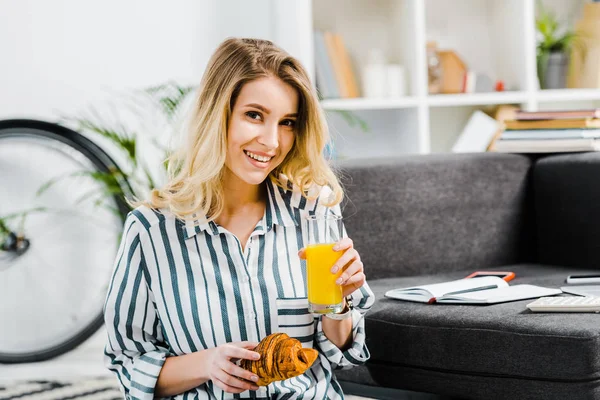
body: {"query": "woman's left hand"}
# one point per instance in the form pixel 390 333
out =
pixel 353 276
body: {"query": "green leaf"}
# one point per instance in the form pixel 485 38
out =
pixel 53 181
pixel 4 226
pixel 169 96
pixel 548 27
pixel 353 120
pixel 20 214
pixel 124 140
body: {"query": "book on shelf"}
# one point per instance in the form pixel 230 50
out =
pixel 477 134
pixel 325 77
pixel 336 63
pixel 484 290
pixel 542 134
pixel 553 124
pixel 559 114
pixel 341 65
pixel 349 77
pixel 503 113
pixel 547 145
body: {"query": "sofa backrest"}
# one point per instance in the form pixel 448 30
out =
pixel 423 214
pixel 567 203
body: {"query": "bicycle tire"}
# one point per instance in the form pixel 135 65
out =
pixel 103 163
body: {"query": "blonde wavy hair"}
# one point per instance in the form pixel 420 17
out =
pixel 195 170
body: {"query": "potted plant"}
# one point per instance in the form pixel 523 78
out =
pixel 553 50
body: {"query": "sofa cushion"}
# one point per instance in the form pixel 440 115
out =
pixel 415 215
pixel 567 202
pixel 415 345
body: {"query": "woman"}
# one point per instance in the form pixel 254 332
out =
pixel 207 262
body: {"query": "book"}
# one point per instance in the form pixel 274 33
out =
pixel 546 146
pixel 541 134
pixel 346 63
pixel 503 112
pixel 477 134
pixel 323 69
pixel 484 290
pixel 559 114
pixel 572 123
pixel 434 292
pixel 336 62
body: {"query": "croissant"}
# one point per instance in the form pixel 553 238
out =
pixel 281 357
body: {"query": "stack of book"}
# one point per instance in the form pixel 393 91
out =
pixel 551 132
pixel 334 72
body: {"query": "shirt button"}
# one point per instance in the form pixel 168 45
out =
pixel 246 279
pixel 252 315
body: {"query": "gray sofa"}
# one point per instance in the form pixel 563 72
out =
pixel 426 219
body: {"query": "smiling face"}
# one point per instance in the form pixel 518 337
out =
pixel 261 129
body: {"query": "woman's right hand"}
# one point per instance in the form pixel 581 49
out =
pixel 223 371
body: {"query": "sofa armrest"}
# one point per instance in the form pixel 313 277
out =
pixel 567 203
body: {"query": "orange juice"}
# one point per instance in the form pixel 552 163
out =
pixel 322 288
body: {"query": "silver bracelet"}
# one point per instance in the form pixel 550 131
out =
pixel 345 315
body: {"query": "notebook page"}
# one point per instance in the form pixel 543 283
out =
pixel 510 293
pixel 462 285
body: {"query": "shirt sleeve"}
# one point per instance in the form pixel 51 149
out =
pixel 357 353
pixel 134 351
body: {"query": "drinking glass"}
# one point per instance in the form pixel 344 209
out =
pixel 324 295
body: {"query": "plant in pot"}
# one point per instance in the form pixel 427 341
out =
pixel 553 50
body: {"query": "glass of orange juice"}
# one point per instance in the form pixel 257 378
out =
pixel 324 295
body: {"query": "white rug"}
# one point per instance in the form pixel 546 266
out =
pixel 104 388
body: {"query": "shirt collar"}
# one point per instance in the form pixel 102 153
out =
pixel 196 225
pixel 279 211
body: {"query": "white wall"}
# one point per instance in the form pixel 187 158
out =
pixel 69 57
pixel 57 56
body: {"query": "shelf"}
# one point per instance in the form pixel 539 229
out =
pixel 545 96
pixel 362 103
pixel 495 38
pixel 474 99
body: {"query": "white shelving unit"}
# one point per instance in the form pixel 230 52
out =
pixel 494 37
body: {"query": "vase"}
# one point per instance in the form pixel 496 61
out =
pixel 553 70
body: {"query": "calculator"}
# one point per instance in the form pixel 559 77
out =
pixel 566 304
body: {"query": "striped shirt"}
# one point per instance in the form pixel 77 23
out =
pixel 183 286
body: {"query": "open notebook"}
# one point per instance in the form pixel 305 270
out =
pixel 483 290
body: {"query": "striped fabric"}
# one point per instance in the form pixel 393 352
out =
pixel 180 287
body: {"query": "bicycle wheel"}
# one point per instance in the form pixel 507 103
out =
pixel 52 288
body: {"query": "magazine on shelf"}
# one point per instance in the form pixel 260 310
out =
pixel 557 114
pixel 553 124
pixel 546 146
pixel 541 134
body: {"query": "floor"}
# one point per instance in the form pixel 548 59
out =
pixel 85 361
